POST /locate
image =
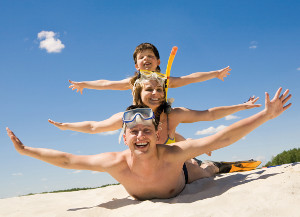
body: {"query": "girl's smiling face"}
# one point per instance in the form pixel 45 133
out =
pixel 152 94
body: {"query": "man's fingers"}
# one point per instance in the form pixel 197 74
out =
pixel 282 97
pixel 286 99
pixel 267 98
pixel 278 93
pixel 287 106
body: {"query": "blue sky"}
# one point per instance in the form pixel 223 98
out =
pixel 96 39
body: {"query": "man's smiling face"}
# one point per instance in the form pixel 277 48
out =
pixel 140 138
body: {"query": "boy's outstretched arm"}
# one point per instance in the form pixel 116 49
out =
pixel 62 159
pixel 92 127
pixel 100 85
pixel 238 130
pixel 199 77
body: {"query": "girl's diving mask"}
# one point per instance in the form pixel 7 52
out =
pixel 145 75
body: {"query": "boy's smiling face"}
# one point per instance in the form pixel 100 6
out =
pixel 146 60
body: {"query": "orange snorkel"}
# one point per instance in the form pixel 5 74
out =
pixel 168 71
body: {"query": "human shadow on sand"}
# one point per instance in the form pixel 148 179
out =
pixel 216 186
pixel 205 188
pixel 113 204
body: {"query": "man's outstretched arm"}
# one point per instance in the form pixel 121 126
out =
pixel 62 159
pixel 238 130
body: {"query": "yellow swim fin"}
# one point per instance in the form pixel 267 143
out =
pixel 237 166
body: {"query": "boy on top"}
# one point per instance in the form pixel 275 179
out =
pixel 146 57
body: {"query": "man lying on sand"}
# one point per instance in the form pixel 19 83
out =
pixel 148 170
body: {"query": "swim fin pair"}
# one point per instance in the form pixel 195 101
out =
pixel 237 166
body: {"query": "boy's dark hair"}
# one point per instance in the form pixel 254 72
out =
pixel 146 46
pixel 155 122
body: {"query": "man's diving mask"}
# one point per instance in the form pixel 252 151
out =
pixel 136 116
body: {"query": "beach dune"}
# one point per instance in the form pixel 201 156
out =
pixel 271 191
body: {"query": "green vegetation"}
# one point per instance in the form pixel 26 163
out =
pixel 72 189
pixel 290 156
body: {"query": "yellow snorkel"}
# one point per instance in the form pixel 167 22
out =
pixel 168 71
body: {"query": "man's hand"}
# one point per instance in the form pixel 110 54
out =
pixel 76 85
pixel 17 143
pixel 222 73
pixel 277 105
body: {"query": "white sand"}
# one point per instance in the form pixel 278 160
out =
pixel 264 192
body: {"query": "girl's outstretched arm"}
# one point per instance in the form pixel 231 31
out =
pixel 184 115
pixel 110 124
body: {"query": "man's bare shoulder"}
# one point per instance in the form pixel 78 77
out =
pixel 113 160
pixel 167 152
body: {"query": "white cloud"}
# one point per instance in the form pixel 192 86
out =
pixel 44 179
pixel 17 174
pixel 49 42
pixel 253 45
pixel 74 133
pixel 231 117
pixel 109 133
pixel 298 69
pixel 76 171
pixel 210 130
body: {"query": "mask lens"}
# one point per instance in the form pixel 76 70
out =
pixel 145 113
pixel 147 73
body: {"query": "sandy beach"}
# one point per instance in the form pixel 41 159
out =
pixel 271 191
